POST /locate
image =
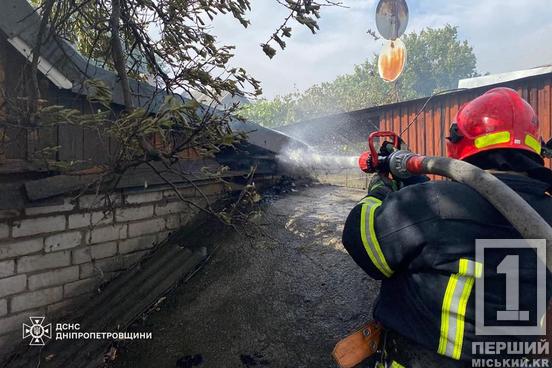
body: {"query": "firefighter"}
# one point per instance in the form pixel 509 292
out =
pixel 420 240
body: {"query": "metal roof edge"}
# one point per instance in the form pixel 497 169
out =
pixel 489 80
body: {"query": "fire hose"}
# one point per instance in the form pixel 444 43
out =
pixel 404 164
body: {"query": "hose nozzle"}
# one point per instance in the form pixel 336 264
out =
pixel 405 164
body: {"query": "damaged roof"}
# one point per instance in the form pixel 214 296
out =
pixel 66 68
pixel 60 62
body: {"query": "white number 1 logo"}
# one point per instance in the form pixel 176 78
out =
pixel 510 267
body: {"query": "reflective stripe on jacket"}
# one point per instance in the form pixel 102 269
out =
pixel 420 241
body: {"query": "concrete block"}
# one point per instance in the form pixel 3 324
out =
pixel 9 214
pixel 186 217
pixel 131 259
pixel 7 268
pixel 99 201
pixel 79 287
pixel 106 233
pixel 15 322
pixel 53 278
pixel 79 220
pixel 87 270
pixel 13 285
pixel 134 244
pixel 162 236
pixel 184 192
pixel 81 255
pixel 146 227
pixel 38 225
pixel 3 307
pixel 98 251
pixel 100 267
pixel 173 222
pixel 43 261
pixel 21 248
pixel 102 218
pixel 4 231
pixel 133 213
pixel 62 241
pixel 65 207
pixel 145 197
pixel 67 305
pixel 170 208
pixel 36 299
pixel 110 264
pixel 104 250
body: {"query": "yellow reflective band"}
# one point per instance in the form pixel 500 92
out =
pixel 367 200
pixel 455 303
pixel 478 270
pixel 445 311
pixel 492 139
pixel 533 143
pixel 388 272
pixel 463 268
pixel 461 317
pixel 368 235
pixel 470 268
pixel 394 364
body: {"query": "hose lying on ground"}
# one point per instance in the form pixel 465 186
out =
pixel 514 208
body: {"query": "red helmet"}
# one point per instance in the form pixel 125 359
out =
pixel 498 119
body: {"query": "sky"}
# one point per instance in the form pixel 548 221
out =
pixel 506 35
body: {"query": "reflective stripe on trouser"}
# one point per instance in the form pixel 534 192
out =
pixel 393 364
pixel 453 311
pixel 368 235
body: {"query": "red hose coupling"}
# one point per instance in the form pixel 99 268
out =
pixel 414 165
pixel 404 164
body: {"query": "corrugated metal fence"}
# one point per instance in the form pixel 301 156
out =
pixel 427 134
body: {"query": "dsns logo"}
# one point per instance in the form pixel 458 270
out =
pixel 37 331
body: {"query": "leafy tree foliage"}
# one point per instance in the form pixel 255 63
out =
pixel 437 59
pixel 169 43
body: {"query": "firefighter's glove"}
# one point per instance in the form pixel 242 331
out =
pixel 380 186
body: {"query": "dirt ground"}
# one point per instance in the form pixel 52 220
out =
pixel 282 299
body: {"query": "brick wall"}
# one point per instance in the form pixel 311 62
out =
pixel 53 258
pixel 2 100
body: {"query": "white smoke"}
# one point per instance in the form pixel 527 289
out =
pixel 312 161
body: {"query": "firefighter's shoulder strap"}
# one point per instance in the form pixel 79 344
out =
pixel 358 346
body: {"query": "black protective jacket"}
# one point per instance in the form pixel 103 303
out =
pixel 420 241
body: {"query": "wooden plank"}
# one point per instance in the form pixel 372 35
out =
pixel 445 123
pixel 396 121
pixel 545 113
pixel 534 96
pixel 17 166
pixel 16 143
pixel 11 196
pixel 384 121
pixel 418 127
pixel 547 124
pixel 70 137
pixel 47 140
pixel 96 144
pixel 440 118
pixel 428 127
pixel 56 185
pixel 525 92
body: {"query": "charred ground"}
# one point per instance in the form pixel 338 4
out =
pixel 279 299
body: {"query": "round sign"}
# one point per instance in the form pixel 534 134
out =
pixel 392 60
pixel 392 18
